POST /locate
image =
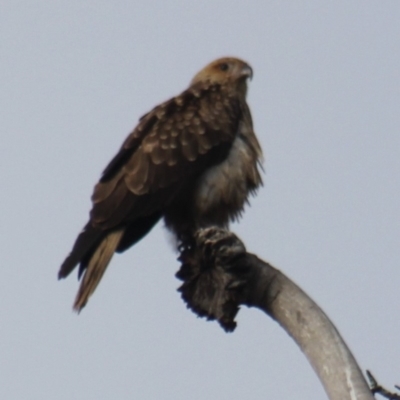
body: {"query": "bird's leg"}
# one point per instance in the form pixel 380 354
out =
pixel 186 248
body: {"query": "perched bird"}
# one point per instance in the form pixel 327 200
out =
pixel 193 161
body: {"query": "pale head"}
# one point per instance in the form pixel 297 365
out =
pixel 225 71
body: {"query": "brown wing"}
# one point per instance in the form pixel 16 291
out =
pixel 171 144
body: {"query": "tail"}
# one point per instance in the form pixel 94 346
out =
pixel 96 267
pixel 84 247
pixel 94 248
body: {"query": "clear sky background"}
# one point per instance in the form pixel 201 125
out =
pixel 325 99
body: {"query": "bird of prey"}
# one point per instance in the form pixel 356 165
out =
pixel 192 161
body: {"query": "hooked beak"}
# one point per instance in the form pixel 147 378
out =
pixel 247 72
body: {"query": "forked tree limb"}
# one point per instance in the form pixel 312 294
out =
pixel 219 275
pixel 376 388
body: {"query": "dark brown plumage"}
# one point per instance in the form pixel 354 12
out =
pixel 192 160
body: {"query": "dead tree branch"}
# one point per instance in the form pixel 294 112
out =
pixel 378 389
pixel 219 275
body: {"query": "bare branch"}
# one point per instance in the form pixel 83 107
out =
pixel 218 275
pixel 378 389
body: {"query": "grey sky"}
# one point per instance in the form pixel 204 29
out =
pixel 325 99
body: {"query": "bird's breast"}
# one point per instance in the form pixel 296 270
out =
pixel 222 190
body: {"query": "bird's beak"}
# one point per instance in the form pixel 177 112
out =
pixel 247 72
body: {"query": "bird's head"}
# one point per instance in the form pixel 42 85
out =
pixel 227 71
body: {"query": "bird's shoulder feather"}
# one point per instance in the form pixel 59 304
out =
pixel 173 142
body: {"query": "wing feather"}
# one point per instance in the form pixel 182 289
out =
pixel 172 143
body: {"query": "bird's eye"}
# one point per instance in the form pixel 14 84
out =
pixel 224 67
